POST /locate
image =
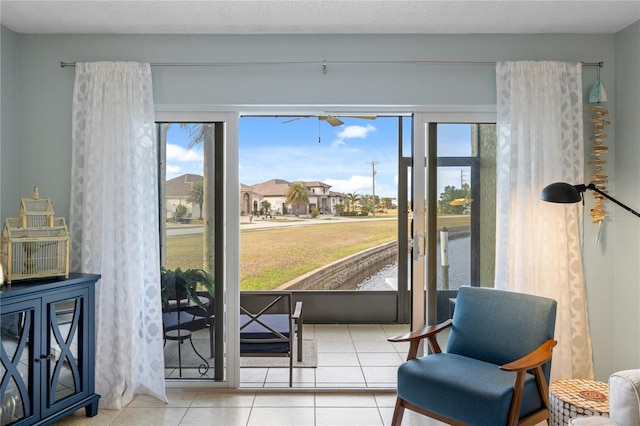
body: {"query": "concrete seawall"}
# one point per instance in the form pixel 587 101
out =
pixel 333 275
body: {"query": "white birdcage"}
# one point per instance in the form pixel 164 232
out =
pixel 35 244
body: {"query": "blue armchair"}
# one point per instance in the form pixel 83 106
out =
pixel 496 366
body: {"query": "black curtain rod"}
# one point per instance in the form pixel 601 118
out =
pixel 323 63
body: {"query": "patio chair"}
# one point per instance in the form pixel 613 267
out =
pixel 193 317
pixel 182 318
pixel 496 367
pixel 269 324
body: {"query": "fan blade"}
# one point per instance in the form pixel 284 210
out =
pixel 293 119
pixel 363 117
pixel 333 120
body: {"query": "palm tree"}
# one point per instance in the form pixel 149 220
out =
pixel 203 133
pixel 297 195
pixel 387 202
pixel 196 195
pixel 352 197
pixel 265 206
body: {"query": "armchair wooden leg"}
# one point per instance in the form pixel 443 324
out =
pixel 398 413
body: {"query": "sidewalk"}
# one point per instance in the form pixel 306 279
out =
pixel 279 221
pixel 276 222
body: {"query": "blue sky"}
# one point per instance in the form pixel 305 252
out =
pixel 270 148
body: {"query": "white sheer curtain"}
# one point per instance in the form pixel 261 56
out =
pixel 114 224
pixel 538 249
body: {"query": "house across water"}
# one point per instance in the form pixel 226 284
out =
pixel 275 192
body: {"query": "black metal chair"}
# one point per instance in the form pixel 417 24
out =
pixel 268 325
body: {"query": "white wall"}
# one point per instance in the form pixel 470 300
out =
pixel 39 154
pixel 625 238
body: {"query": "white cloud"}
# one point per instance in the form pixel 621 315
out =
pixel 178 153
pixel 351 132
pixel 181 161
pixel 336 143
pixel 359 184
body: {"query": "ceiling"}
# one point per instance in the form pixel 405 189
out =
pixel 317 17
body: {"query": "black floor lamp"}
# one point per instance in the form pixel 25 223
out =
pixel 561 192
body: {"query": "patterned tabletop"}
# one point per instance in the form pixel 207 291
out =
pixel 577 397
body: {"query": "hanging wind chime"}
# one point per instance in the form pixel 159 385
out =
pixel 598 152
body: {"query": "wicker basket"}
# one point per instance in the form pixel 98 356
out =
pixel 35 244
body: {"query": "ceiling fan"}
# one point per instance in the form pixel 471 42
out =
pixel 332 119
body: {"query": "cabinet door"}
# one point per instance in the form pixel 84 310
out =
pixel 19 385
pixel 64 348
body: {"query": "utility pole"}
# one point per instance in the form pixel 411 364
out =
pixel 373 177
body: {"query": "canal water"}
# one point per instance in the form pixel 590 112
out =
pixel 384 275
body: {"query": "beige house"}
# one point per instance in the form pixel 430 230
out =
pixel 178 191
pixel 249 200
pixel 275 192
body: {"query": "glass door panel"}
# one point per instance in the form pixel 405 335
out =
pixel 16 354
pixel 191 219
pixel 459 212
pixel 64 371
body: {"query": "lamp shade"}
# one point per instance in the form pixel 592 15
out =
pixel 561 192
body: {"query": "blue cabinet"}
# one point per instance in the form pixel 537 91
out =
pixel 47 351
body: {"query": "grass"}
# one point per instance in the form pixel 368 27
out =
pixel 270 257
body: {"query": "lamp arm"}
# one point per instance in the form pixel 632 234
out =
pixel 608 197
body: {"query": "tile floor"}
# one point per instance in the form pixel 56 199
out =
pixel 349 356
pixel 255 409
pixel 352 361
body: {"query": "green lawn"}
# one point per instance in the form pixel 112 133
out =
pixel 270 257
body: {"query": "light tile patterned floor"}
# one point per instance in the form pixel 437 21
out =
pixel 349 356
pixel 255 409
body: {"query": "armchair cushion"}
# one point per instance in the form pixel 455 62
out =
pixel 251 334
pixel 485 326
pixel 483 392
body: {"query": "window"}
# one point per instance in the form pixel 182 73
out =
pixel 466 196
pixel 189 210
pixel 462 187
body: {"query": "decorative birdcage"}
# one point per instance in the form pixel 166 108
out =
pixel 35 244
pixel 36 212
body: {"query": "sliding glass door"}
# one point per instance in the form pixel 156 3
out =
pixel 454 209
pixel 196 223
